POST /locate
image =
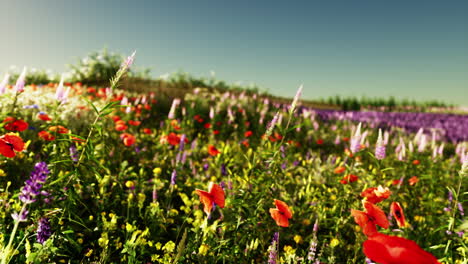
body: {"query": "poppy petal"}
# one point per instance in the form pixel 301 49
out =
pixel 376 214
pixel 217 194
pixel 362 219
pixel 6 150
pixel 281 219
pixel 284 208
pixel 206 200
pixel 397 212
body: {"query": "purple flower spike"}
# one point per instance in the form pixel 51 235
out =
pixel 19 87
pixel 4 83
pixel 21 217
pixel 380 147
pixel 43 230
pixel 34 183
pixel 273 253
pixel 173 177
pixel 355 142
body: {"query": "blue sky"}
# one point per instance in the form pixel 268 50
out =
pixel 408 49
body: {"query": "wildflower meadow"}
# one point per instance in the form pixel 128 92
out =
pixel 100 174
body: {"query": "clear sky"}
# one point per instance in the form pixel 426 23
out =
pixel 408 49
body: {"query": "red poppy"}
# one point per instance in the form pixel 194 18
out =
pixel 376 194
pixel 115 118
pixel 214 195
pixel 91 90
pixel 9 143
pixel 246 143
pixel 319 141
pixel 278 136
pixel 120 125
pixel 46 135
pixel 128 139
pixel 173 139
pixel 368 220
pixel 386 249
pixel 413 180
pixel 216 132
pixel 13 124
pixel 248 133
pixel 339 170
pixel 397 212
pixel 416 162
pixel 212 150
pixel 147 131
pixel 345 139
pixel 349 178
pixel 134 123
pixel 281 214
pixel 60 129
pixel 44 117
pixel 397 182
pixel 207 125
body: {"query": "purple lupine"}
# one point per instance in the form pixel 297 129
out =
pixel 272 125
pixel 223 169
pixel 411 147
pixel 464 168
pixel 223 185
pixel 20 217
pixel 296 99
pixel 31 189
pixel 440 150
pixel 4 83
pixel 337 140
pixel 212 113
pixel 34 183
pixel 43 230
pixel 19 87
pixel 124 101
pixel 193 145
pixel 173 177
pixel 183 159
pixel 313 243
pixel 460 208
pixel 273 252
pixel 284 165
pixel 129 61
pixel 380 147
pixel 60 93
pixel 182 142
pixel 155 194
pixel 174 105
pixel 422 143
pixel 73 153
pixel 355 142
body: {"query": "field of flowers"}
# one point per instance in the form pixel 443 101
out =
pixel 102 175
